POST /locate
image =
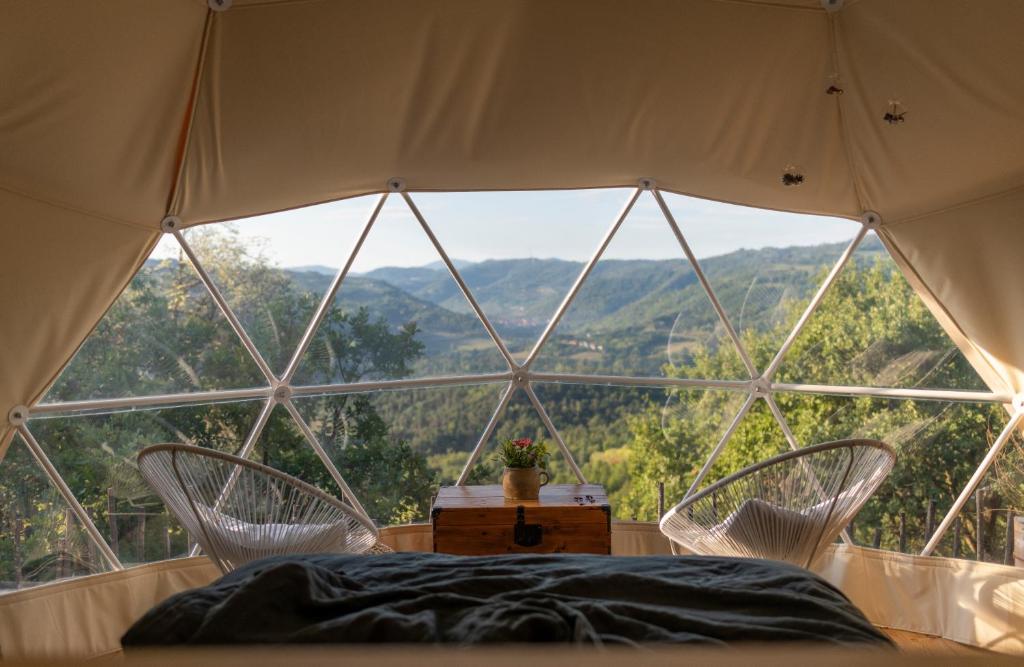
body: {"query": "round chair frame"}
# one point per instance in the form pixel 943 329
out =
pixel 823 537
pixel 204 538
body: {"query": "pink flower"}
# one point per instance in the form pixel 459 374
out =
pixel 522 442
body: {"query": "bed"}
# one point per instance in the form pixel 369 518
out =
pixel 438 598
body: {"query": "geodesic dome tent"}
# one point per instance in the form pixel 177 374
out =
pixel 124 122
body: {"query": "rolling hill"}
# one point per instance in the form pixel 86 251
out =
pixel 628 313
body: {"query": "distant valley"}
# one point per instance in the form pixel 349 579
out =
pixel 627 309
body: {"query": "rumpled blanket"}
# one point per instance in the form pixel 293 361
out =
pixel 437 598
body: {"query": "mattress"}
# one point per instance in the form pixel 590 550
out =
pixel 567 598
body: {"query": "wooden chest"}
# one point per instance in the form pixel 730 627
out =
pixel 477 520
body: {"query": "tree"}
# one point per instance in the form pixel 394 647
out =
pixel 166 335
pixel 871 330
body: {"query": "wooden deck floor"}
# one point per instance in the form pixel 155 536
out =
pixel 918 644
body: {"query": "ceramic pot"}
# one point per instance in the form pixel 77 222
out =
pixel 523 483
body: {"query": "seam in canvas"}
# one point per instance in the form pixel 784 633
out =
pixel 844 126
pixel 952 207
pixel 185 135
pixel 76 209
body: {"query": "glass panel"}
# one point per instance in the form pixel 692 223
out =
pixel 519 252
pixel 377 331
pixel 163 335
pixel 633 439
pixel 1003 497
pixel 597 424
pixel 519 420
pixel 274 269
pixel 395 447
pixel 938 445
pixel 41 540
pixel 758 437
pixel 282 446
pixel 873 330
pixel 763 265
pixel 641 311
pixel 96 457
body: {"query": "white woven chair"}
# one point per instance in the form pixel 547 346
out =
pixel 786 508
pixel 241 511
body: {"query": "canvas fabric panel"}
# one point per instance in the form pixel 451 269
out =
pixel 65 268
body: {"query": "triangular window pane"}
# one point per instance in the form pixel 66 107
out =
pixel 43 540
pixel 282 446
pixel 938 445
pixel 96 454
pixel 395 447
pixel 642 311
pixel 274 269
pixel 654 437
pixel 520 420
pixel 519 252
pixel 615 435
pixel 757 438
pixel 1003 489
pixel 595 422
pixel 764 266
pixel 873 330
pixel 163 335
pixel 377 330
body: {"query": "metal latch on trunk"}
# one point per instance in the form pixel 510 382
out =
pixel 527 534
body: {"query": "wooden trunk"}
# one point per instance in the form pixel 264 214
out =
pixel 478 520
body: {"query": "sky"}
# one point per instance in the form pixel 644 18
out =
pixel 475 226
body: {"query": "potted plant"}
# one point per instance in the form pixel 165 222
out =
pixel 524 461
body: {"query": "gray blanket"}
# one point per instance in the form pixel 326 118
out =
pixel 418 597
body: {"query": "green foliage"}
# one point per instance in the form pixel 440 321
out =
pixel 1010 475
pixel 522 453
pixel 871 329
pixel 166 335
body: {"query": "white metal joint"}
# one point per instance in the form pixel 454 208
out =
pixel 282 392
pixel 219 5
pixel 871 219
pixel 647 184
pixel 520 378
pixel 1018 403
pixel 170 224
pixel 396 184
pixel 832 5
pixel 761 386
pixel 18 415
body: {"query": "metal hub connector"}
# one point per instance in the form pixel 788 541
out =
pixel 1018 402
pixel 871 219
pixel 170 224
pixel 646 184
pixel 520 378
pixel 396 184
pixel 18 415
pixel 762 386
pixel 282 392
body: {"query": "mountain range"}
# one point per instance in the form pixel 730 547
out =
pixel 634 306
